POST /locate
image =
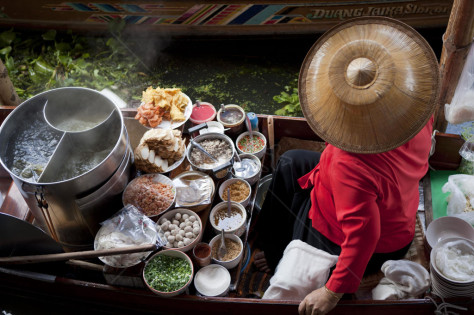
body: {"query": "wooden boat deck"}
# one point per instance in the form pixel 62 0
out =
pixel 88 288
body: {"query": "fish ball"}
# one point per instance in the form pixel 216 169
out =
pixel 176 222
pixel 176 244
pixel 188 229
pixel 179 237
pixel 181 232
pixel 172 227
pixel 180 244
pixel 189 223
pixel 174 232
pixel 189 235
pixel 182 225
pixel 177 216
pixel 167 233
pixel 186 241
pixel 185 216
pixel 162 221
pixel 171 238
pixel 192 218
pixel 196 231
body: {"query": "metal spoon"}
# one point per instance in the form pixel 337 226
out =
pixel 238 166
pixel 222 249
pixel 197 145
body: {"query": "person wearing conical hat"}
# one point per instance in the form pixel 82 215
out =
pixel 369 88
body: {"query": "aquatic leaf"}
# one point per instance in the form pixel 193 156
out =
pixel 7 37
pixel 5 50
pixel 63 47
pixel 49 35
pixel 10 63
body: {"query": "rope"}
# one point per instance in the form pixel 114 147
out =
pixel 442 309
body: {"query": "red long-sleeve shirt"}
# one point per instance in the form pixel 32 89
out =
pixel 366 203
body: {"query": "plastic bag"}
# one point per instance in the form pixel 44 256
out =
pixel 461 199
pixel 461 108
pixel 454 260
pixel 467 153
pixel 128 227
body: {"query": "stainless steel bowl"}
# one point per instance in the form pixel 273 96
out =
pixel 220 170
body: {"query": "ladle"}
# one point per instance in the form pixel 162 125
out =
pixel 249 126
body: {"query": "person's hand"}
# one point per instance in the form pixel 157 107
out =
pixel 319 301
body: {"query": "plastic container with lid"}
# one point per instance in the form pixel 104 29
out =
pixel 212 280
pixel 202 112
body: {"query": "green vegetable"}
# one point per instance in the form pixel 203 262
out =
pixel 166 273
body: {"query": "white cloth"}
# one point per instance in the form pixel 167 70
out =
pixel 403 279
pixel 302 269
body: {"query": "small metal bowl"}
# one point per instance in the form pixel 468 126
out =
pixel 261 152
pixel 253 178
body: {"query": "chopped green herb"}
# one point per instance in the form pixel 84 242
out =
pixel 166 273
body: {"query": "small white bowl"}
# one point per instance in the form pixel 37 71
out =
pixel 260 153
pixel 231 181
pixel 212 127
pixel 238 229
pixel 170 216
pixel 448 227
pixel 137 200
pixel 229 264
pixel 212 280
pixel 171 253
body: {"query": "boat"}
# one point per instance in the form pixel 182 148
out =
pixel 218 18
pixel 82 288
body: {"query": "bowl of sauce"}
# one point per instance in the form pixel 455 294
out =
pixel 255 144
pixel 232 116
pixel 233 224
pixel 202 112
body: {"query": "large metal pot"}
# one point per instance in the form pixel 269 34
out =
pixel 60 170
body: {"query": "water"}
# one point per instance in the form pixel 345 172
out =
pixel 30 149
pixel 80 163
pixel 75 125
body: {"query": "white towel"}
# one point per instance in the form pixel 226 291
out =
pixel 403 279
pixel 302 269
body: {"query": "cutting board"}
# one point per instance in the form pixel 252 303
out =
pixel 438 198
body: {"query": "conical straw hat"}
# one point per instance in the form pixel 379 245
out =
pixel 369 84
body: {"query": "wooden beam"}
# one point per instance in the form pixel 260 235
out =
pixel 456 44
pixel 8 94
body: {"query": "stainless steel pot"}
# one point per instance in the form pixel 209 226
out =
pixel 220 170
pixel 60 171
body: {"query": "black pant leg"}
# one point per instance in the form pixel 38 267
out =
pixel 283 202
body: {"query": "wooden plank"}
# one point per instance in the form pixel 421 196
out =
pixel 14 204
pixel 456 44
pixel 446 155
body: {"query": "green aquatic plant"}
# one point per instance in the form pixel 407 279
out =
pixel 38 61
pixel 289 98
